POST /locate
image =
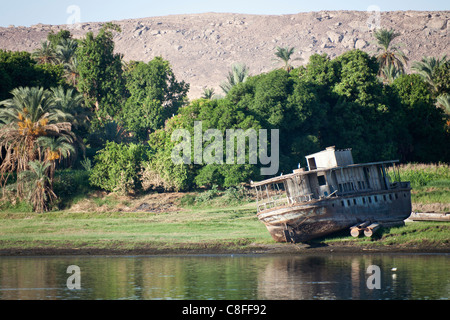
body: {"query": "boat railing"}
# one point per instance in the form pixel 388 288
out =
pixel 400 185
pixel 301 198
pixel 272 203
pixel 282 201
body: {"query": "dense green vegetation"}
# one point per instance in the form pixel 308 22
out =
pixel 75 110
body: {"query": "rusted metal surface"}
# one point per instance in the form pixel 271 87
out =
pixel 318 218
pixel 308 204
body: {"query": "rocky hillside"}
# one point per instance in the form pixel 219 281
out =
pixel 202 47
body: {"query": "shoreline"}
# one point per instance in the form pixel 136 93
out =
pixel 214 249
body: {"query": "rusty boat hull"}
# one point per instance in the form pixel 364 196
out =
pixel 301 222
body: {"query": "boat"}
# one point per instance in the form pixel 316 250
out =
pixel 330 195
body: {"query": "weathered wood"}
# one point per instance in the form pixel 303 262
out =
pixel 355 232
pixel 429 216
pixel 357 229
pixel 312 213
pixel 371 230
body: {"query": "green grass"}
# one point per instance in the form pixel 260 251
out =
pixel 232 227
pixel 430 185
pixel 423 233
pixel 55 229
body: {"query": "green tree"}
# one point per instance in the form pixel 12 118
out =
pixel 208 93
pixel 362 105
pixel 65 51
pixel 444 102
pixel 16 69
pixel 283 101
pixel 45 54
pixel 19 69
pixel 30 114
pixel 389 73
pixel 71 72
pixel 40 194
pixel 70 102
pixel 100 73
pixel 238 74
pixel 424 122
pixel 429 68
pixel 442 78
pixel 118 167
pixel 155 95
pixel 55 149
pixel 55 39
pixel 220 114
pixel 111 131
pixel 390 54
pixel 284 55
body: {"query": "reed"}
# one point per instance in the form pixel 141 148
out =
pixel 430 185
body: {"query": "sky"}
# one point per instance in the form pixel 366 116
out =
pixel 30 12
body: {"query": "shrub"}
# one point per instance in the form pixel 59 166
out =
pixel 69 182
pixel 118 167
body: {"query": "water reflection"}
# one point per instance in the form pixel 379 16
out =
pixel 227 277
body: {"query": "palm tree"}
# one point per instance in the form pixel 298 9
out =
pixel 208 93
pixel 36 179
pixel 389 55
pixel 70 102
pixel 55 149
pixel 65 50
pixel 284 55
pixel 238 74
pixel 28 115
pixel 390 73
pixel 71 71
pixel 45 54
pixel 444 102
pixel 426 68
pixel 111 131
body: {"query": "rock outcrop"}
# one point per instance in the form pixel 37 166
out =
pixel 202 47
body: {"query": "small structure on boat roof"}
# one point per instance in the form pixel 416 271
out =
pixel 333 194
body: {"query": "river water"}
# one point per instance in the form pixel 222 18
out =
pixel 227 277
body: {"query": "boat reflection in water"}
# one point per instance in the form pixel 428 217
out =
pixel 345 277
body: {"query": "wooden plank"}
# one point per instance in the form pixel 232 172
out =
pixel 429 216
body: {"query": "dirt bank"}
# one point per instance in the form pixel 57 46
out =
pixel 231 248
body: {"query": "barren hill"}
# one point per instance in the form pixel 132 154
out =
pixel 202 47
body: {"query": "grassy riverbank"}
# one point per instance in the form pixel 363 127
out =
pixel 195 229
pixel 212 221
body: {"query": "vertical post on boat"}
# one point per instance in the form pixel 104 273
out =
pixel 383 173
pixel 257 196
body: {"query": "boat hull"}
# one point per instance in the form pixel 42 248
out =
pixel 305 221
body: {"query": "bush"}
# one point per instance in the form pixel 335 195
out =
pixel 68 184
pixel 207 195
pixel 118 167
pixel 15 205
